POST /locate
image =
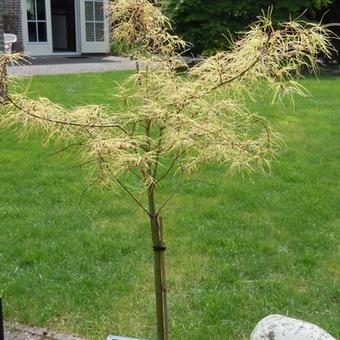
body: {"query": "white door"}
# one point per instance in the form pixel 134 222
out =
pixel 36 27
pixel 94 26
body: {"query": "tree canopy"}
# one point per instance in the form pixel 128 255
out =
pixel 215 18
pixel 167 123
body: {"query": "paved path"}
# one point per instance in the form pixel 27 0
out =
pixel 68 65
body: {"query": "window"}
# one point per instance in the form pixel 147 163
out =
pixel 36 21
pixel 94 20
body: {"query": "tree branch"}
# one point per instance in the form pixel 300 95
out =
pixel 170 167
pixel 61 122
pixel 180 182
pixel 66 148
pixel 131 195
pixel 161 130
pixel 86 189
pixel 228 81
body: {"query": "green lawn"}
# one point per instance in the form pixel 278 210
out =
pixel 239 248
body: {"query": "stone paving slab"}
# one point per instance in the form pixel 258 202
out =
pixel 16 331
pixel 70 65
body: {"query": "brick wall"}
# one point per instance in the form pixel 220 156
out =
pixel 1 28
pixel 12 21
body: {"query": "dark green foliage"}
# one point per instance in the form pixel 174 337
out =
pixel 206 23
pixel 332 16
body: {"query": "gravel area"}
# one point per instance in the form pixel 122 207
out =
pixel 16 331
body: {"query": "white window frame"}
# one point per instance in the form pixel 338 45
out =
pixel 95 21
pixel 101 46
pixel 37 48
pixel 36 22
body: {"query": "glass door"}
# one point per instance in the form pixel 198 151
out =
pixel 36 21
pixel 37 34
pixel 94 26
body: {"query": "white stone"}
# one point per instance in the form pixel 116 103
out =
pixel 279 327
pixel 116 337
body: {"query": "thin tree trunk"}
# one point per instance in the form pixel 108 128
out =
pixel 159 270
pixel 164 284
pixel 3 86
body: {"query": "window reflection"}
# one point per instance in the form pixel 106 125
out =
pixel 94 18
pixel 36 21
pixel 30 9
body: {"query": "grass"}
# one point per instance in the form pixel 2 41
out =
pixel 239 248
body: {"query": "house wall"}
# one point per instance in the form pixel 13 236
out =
pixel 12 21
pixel 1 28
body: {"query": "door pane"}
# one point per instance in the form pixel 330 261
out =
pixel 90 32
pixel 32 32
pixel 89 14
pixel 99 31
pixel 41 12
pixel 30 9
pixel 99 10
pixel 42 31
pixel 94 20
